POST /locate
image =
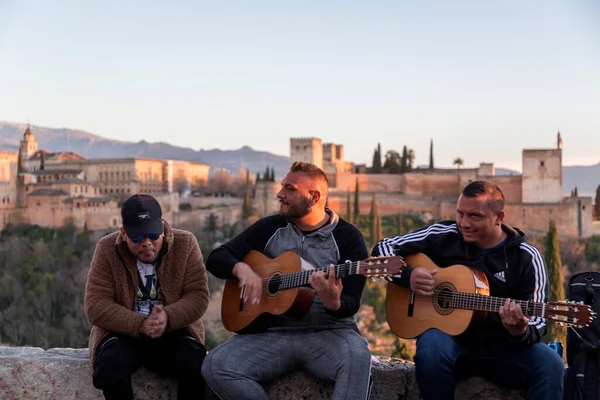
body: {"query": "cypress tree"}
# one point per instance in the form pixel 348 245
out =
pixel 349 215
pixel 404 164
pixel 399 223
pixel 431 154
pixel 247 205
pixel 356 202
pixel 597 203
pixel 272 174
pixel 377 160
pixel 376 229
pixel 42 160
pixel 555 280
pixel 20 162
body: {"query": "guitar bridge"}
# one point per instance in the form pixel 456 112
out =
pixel 411 303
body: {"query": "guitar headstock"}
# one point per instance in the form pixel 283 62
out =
pixel 383 267
pixel 569 313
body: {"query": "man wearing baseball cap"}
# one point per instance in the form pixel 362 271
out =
pixel 145 294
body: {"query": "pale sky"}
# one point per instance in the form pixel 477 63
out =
pixel 484 79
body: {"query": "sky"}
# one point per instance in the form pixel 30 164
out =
pixel 482 79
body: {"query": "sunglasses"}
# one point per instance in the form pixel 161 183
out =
pixel 152 236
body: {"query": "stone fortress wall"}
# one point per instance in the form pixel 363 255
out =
pixel 532 198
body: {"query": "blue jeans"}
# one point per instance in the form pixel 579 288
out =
pixel 535 367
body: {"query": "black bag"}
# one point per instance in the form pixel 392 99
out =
pixel 583 345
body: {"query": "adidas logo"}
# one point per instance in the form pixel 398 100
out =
pixel 500 276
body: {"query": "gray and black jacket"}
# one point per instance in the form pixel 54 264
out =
pixel 334 243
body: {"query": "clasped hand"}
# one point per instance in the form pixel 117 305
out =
pixel 155 325
pixel 329 289
pixel 512 318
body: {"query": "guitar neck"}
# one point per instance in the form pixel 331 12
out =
pixel 476 302
pixel 301 278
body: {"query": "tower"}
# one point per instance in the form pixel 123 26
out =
pixel 308 150
pixel 542 176
pixel 28 144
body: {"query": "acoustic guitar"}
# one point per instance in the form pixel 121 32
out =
pixel 460 297
pixel 285 285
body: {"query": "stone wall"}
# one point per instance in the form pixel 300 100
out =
pixel 64 374
pixel 572 216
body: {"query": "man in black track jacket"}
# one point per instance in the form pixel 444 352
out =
pixel 324 342
pixel 506 347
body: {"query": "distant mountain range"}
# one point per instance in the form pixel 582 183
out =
pixel 586 178
pixel 94 146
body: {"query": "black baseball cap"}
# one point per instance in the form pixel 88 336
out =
pixel 141 215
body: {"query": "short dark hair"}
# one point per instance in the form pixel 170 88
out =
pixel 313 172
pixel 309 169
pixel 495 197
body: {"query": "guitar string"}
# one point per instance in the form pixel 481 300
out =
pixel 298 278
pixel 480 302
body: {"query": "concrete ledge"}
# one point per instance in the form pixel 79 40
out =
pixel 64 374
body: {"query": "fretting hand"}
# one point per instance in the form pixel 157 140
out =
pixel 512 318
pixel 329 289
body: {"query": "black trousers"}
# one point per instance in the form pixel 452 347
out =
pixel 176 354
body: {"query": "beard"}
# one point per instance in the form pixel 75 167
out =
pixel 147 255
pixel 296 211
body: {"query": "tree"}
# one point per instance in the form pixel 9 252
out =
pixel 42 160
pixel 221 182
pixel 349 215
pixel 411 159
pixel 555 280
pixel 272 174
pixel 257 177
pixel 458 162
pixel 376 231
pixel 356 201
pixel 267 176
pixel 399 223
pixel 597 203
pixel 377 160
pixel 20 161
pixel 575 192
pixel 393 161
pixel 247 205
pixel 431 154
pixel 404 162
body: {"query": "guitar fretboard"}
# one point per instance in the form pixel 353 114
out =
pixel 471 301
pixel 301 278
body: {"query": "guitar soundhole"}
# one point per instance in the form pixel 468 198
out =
pixel 274 284
pixel 442 300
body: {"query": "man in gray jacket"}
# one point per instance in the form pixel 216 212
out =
pixel 325 341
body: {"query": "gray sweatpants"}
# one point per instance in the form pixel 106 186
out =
pixel 235 368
